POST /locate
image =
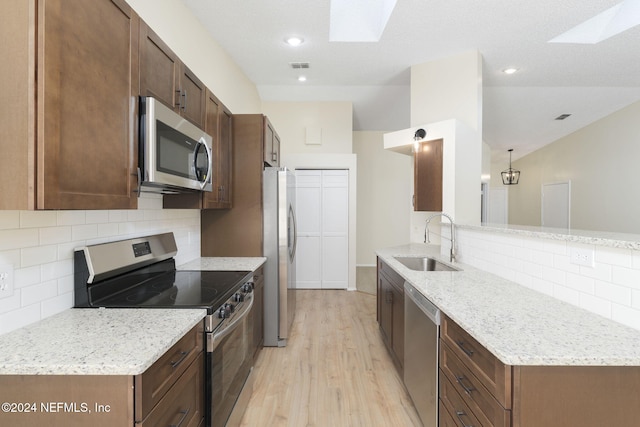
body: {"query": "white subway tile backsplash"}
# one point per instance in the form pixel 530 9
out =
pixel 97 217
pixel 581 283
pixel 36 293
pixel 595 304
pixel 71 217
pixel 554 275
pixel 627 315
pixel 626 277
pixel 9 220
pixel 566 294
pixel 611 288
pixel 27 276
pixel 57 304
pixel 614 256
pixel 38 255
pixel 40 246
pixel 37 219
pixel 18 318
pixel 52 235
pixel 613 293
pixel 84 232
pixel 18 238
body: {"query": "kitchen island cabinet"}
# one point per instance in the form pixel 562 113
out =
pixel 510 356
pixel 67 111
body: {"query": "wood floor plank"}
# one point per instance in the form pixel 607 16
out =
pixel 335 370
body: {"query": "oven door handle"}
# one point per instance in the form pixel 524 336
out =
pixel 214 339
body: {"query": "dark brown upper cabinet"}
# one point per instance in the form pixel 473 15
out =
pixel 166 78
pixel 66 116
pixel 428 177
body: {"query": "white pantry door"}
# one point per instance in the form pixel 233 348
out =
pixel 322 211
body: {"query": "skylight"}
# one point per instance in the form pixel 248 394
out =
pixel 612 21
pixel 359 20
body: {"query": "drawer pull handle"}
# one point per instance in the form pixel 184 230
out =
pixel 183 355
pixel 184 417
pixel 466 351
pixel 467 389
pixel 459 415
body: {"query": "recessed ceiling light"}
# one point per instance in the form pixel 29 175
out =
pixel 510 70
pixel 302 79
pixel 294 41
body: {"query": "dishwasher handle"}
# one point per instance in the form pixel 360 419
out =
pixel 426 306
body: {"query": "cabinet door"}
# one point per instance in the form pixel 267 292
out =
pixel 192 97
pixel 397 335
pixel 271 145
pixel 386 307
pixel 225 153
pixel 218 125
pixel 258 310
pixel 428 177
pixel 87 81
pixel 159 68
pixel 17 105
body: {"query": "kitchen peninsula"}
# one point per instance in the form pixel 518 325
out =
pixel 562 365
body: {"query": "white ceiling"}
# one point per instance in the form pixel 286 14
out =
pixel 588 81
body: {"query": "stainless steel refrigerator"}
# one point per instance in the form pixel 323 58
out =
pixel 279 245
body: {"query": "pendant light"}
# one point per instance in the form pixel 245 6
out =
pixel 510 176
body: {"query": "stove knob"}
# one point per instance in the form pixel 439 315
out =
pixel 223 313
pixel 238 297
pixel 247 288
pixel 230 307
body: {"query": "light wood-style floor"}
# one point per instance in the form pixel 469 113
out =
pixel 335 370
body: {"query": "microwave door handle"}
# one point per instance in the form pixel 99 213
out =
pixel 202 141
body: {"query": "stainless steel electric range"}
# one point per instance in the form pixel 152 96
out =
pixel 141 273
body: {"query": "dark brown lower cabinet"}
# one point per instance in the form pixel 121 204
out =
pixel 390 293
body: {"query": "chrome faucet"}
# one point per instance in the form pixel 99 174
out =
pixel 452 255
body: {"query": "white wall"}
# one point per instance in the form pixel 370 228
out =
pixel 332 119
pixel 601 161
pixel 449 88
pixel 39 246
pixel 384 196
pixel 609 289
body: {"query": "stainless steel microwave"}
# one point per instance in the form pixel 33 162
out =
pixel 174 155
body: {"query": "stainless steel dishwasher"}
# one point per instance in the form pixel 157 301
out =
pixel 421 333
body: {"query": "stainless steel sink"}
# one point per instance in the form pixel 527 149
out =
pixel 424 264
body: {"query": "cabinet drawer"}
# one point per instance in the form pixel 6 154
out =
pixel 184 402
pixel 494 375
pixel 460 413
pixel 444 417
pixel 154 383
pixel 480 401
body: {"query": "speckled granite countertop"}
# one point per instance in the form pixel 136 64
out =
pixel 94 341
pixel 106 341
pixel 520 326
pixel 599 238
pixel 224 264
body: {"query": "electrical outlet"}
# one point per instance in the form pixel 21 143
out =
pixel 582 256
pixel 6 280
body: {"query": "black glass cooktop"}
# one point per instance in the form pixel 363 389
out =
pixel 170 289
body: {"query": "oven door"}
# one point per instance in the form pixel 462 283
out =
pixel 229 363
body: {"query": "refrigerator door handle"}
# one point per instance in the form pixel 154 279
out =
pixel 292 248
